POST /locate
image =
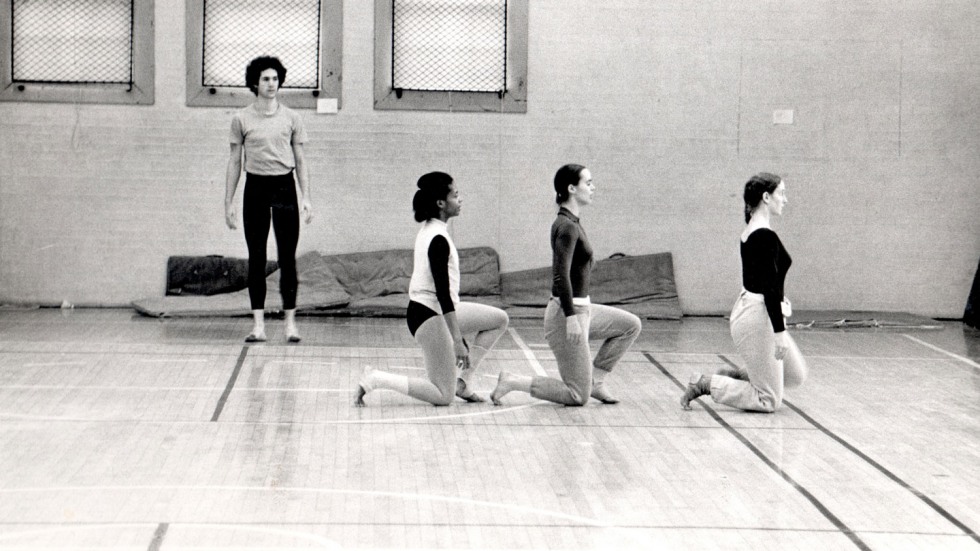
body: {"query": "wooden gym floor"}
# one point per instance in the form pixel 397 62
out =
pixel 122 432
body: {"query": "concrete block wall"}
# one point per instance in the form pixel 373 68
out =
pixel 669 103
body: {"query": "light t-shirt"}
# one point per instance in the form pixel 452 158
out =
pixel 268 139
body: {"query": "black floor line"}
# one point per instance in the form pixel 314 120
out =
pixel 230 385
pixel 881 468
pixel 838 523
pixel 158 536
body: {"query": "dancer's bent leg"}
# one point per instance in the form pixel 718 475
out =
pixel 438 388
pixel 440 364
pixel 618 329
pixel 574 360
pixel 795 369
pixel 484 325
pixel 756 343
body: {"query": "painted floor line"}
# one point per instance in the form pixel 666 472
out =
pixel 497 410
pixel 170 388
pixel 53 364
pixel 528 353
pixel 174 359
pixel 957 357
pixel 408 496
pixel 414 352
pixel 297 534
pixel 811 356
pixel 297 362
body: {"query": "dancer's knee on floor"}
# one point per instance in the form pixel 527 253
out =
pixel 444 400
pixel 578 397
pixel 769 404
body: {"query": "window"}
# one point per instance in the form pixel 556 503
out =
pixel 78 51
pixel 451 55
pixel 224 35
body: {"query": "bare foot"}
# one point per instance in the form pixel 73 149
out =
pixel 698 386
pixel 255 336
pixel 600 393
pixel 362 387
pixel 503 387
pixel 465 393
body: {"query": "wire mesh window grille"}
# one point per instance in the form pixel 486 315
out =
pixel 80 41
pixel 449 45
pixel 237 31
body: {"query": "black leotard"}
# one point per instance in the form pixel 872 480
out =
pixel 764 266
pixel 571 260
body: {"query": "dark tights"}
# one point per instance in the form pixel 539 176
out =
pixel 271 197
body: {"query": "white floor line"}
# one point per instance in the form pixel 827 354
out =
pixel 69 527
pixel 103 388
pixel 407 496
pixel 53 364
pixel 174 359
pixel 967 361
pixel 875 358
pixel 297 362
pixel 111 387
pixel 661 354
pixel 325 543
pixel 167 388
pixel 408 367
pixel 497 410
pixel 528 353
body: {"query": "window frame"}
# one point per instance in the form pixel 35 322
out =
pixel 331 57
pixel 513 100
pixel 141 92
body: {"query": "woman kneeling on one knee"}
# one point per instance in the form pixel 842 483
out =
pixel 773 361
pixel 436 317
pixel 570 319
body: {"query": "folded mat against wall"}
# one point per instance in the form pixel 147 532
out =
pixel 361 284
pixel 376 284
pixel 642 284
pixel 209 275
pixel 388 272
pixel 378 281
pixel 320 289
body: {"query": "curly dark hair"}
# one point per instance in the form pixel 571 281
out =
pixel 761 183
pixel 259 64
pixel 433 187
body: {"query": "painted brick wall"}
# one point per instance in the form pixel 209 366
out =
pixel 670 104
